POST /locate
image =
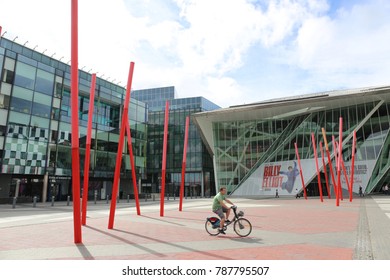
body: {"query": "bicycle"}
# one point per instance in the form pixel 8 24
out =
pixel 240 225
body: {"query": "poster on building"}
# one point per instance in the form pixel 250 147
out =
pixel 361 174
pixel 285 177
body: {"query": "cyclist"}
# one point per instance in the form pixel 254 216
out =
pixel 219 207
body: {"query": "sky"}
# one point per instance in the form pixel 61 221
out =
pixel 231 52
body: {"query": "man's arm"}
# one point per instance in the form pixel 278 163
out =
pixel 228 201
pixel 223 204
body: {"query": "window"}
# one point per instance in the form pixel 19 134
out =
pixel 25 75
pixel 44 82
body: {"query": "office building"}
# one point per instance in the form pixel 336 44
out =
pixel 199 178
pixel 35 128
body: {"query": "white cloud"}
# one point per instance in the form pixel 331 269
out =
pixel 204 48
pixel 350 49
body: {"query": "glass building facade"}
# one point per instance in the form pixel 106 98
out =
pixel 253 145
pixel 35 128
pixel 199 178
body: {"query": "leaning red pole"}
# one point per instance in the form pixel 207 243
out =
pixel 353 163
pixel 325 171
pixel 345 175
pixel 318 170
pixel 183 168
pixel 88 151
pixel 300 170
pixel 329 162
pixel 340 153
pixel 336 158
pixel 164 159
pixel 118 164
pixel 340 156
pixel 130 147
pixel 75 124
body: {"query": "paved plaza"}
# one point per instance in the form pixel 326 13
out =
pixel 283 229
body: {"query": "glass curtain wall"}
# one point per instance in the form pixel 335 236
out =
pixel 35 124
pixel 242 145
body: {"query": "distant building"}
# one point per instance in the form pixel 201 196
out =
pixel 199 178
pixel 253 145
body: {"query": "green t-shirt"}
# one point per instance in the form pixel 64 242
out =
pixel 216 201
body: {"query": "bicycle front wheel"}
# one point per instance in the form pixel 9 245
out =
pixel 242 227
pixel 210 228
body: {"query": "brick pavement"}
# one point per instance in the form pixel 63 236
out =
pixel 283 229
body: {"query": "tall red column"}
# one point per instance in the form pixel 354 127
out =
pixel 353 163
pixel 340 154
pixel 133 175
pixel 318 170
pixel 325 171
pixel 164 159
pixel 336 158
pixel 88 150
pixel 329 162
pixel 75 125
pixel 183 167
pixel 300 170
pixel 118 164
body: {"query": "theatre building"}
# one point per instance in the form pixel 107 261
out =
pixel 253 145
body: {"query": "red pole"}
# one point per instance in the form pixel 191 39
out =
pixel 336 157
pixel 353 163
pixel 88 150
pixel 318 170
pixel 164 159
pixel 75 125
pixel 330 162
pixel 1 28
pixel 325 171
pixel 130 147
pixel 118 164
pixel 183 168
pixel 345 174
pixel 300 170
pixel 340 154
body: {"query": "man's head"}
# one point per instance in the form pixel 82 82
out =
pixel 222 190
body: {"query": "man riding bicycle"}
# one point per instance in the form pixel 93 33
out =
pixel 219 207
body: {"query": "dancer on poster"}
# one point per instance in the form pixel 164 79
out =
pixel 291 174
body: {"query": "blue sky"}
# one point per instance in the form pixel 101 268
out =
pixel 229 51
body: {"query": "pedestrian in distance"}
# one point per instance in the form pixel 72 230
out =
pixel 361 191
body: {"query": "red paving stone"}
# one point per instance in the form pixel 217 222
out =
pixel 303 217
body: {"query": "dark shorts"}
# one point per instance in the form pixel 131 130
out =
pixel 220 212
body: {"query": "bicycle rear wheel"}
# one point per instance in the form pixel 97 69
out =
pixel 210 227
pixel 242 227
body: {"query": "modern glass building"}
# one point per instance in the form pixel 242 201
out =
pixel 199 178
pixel 35 128
pixel 253 145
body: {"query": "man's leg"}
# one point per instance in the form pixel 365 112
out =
pixel 221 215
pixel 227 213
